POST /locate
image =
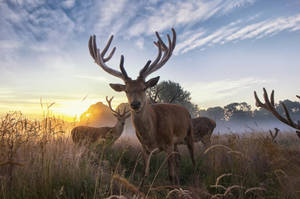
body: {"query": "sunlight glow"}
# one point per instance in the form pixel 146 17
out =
pixel 72 109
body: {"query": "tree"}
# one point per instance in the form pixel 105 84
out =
pixel 216 113
pixel 172 92
pixel 237 111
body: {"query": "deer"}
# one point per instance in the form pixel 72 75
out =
pixel 90 135
pixel 269 105
pixel 156 125
pixel 203 129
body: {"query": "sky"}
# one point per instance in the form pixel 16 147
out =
pixel 225 50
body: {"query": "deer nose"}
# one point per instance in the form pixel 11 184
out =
pixel 135 105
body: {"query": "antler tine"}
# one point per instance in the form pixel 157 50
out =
pixel 123 69
pixel 109 105
pixel 144 69
pixel 273 136
pixel 107 46
pixel 258 102
pixel 159 62
pixel 99 57
pixel 270 106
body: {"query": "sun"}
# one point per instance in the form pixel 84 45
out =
pixel 72 110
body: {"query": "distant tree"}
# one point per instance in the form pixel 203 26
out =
pixel 172 92
pixel 237 111
pixel 216 113
pixel 262 114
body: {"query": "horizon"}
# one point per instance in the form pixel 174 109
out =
pixel 225 50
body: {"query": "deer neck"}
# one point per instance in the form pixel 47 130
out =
pixel 143 123
pixel 118 129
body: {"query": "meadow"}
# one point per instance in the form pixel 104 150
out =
pixel 39 160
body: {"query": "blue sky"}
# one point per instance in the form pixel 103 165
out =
pixel 225 49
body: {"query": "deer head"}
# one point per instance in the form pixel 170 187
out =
pixel 134 88
pixel 121 117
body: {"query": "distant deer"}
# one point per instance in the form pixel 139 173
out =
pixel 203 128
pixel 158 126
pixel 89 135
pixel 269 105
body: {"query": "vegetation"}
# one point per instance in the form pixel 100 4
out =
pixel 172 92
pixel 39 160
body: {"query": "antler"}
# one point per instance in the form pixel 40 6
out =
pixel 273 136
pixel 116 112
pixel 159 62
pixel 270 106
pixel 109 105
pixel 100 59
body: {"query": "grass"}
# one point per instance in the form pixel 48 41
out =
pixel 39 160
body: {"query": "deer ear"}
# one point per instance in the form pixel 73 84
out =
pixel 117 87
pixel 152 82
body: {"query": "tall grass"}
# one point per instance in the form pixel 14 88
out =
pixel 39 160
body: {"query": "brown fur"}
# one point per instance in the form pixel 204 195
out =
pixel 203 128
pixel 164 126
pixel 87 134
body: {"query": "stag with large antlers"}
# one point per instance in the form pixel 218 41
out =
pixel 87 134
pixel 157 125
pixel 269 105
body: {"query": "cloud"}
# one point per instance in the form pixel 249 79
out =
pixel 95 78
pixel 236 32
pixel 9 44
pixel 68 4
pixel 218 90
pixel 169 14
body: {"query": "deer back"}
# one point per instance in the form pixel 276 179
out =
pixel 89 134
pixel 202 126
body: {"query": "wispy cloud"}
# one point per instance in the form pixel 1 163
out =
pixel 237 31
pixel 203 92
pixel 95 78
pixel 169 14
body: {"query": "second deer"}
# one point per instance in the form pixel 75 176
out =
pixel 203 128
pixel 89 135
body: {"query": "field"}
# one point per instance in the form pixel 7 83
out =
pixel 39 160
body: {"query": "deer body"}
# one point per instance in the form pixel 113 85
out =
pixel 203 128
pixel 157 126
pixel 87 134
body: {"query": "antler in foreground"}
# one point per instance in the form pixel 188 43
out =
pixel 274 135
pixel 269 105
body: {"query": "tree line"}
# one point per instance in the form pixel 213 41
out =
pixel 172 92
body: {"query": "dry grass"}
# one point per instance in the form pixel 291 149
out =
pixel 38 160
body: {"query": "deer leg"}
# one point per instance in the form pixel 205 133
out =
pixel 171 166
pixel 178 157
pixel 147 157
pixel 146 170
pixel 190 144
